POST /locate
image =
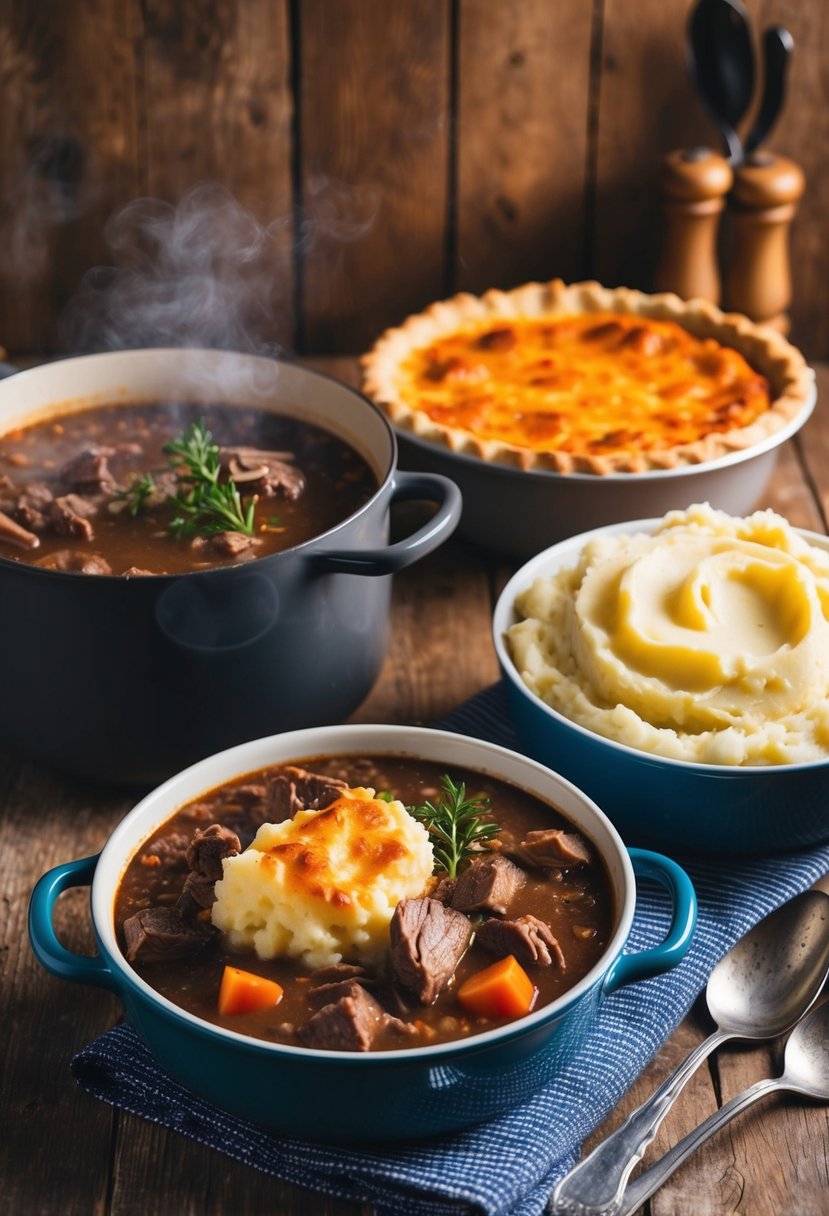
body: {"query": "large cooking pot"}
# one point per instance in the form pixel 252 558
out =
pixel 130 679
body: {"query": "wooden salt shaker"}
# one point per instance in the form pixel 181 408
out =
pixel 693 183
pixel 767 189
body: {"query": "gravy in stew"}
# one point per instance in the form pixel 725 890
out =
pixel 553 911
pixel 71 488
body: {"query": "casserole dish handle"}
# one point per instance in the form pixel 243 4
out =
pixel 431 487
pixel 629 968
pixel 48 951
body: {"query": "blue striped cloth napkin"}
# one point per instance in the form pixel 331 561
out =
pixel 507 1167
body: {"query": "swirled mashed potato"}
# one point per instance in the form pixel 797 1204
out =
pixel 325 883
pixel 706 641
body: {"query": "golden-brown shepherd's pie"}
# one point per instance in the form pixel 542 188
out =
pixel 585 378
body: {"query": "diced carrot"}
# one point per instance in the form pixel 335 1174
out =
pixel 243 992
pixel 503 990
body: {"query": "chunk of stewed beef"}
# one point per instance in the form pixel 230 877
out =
pixel 157 935
pixel 529 939
pixel 296 789
pixel 554 847
pixel 489 884
pixel 444 889
pixel 320 995
pixel 428 940
pixel 69 515
pixel 225 544
pixel 335 972
pixel 89 471
pixel 75 562
pixel 351 1023
pixel 256 471
pixel 32 507
pixel 205 854
pixel 208 849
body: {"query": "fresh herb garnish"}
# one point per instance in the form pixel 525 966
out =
pixel 204 504
pixel 455 824
pixel 135 496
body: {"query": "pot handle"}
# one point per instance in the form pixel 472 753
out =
pixel 407 486
pixel 629 968
pixel 49 952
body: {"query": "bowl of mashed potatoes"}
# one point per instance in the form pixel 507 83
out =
pixel 677 669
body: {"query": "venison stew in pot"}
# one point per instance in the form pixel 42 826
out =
pixel 364 903
pixel 168 488
pixel 257 497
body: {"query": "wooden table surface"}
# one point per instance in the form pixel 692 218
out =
pixel 63 1153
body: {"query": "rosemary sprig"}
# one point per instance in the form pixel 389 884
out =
pixel 204 504
pixel 455 825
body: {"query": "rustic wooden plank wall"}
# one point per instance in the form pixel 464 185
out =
pixel 393 153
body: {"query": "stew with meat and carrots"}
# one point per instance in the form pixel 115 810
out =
pixel 171 488
pixel 364 903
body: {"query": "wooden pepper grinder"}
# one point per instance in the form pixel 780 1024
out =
pixel 693 183
pixel 767 189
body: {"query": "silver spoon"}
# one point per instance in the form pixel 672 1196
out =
pixel 805 1071
pixel 757 991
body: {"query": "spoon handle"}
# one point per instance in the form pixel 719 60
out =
pixel 778 45
pixel 651 1179
pixel 596 1185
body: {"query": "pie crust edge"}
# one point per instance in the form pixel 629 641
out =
pixel 791 380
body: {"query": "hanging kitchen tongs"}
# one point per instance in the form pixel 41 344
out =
pixel 721 58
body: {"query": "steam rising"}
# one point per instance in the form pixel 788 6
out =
pixel 202 273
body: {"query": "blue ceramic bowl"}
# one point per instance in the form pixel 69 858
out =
pixel 675 805
pixel 373 1096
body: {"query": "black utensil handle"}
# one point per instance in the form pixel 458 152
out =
pixel 721 61
pixel 778 45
